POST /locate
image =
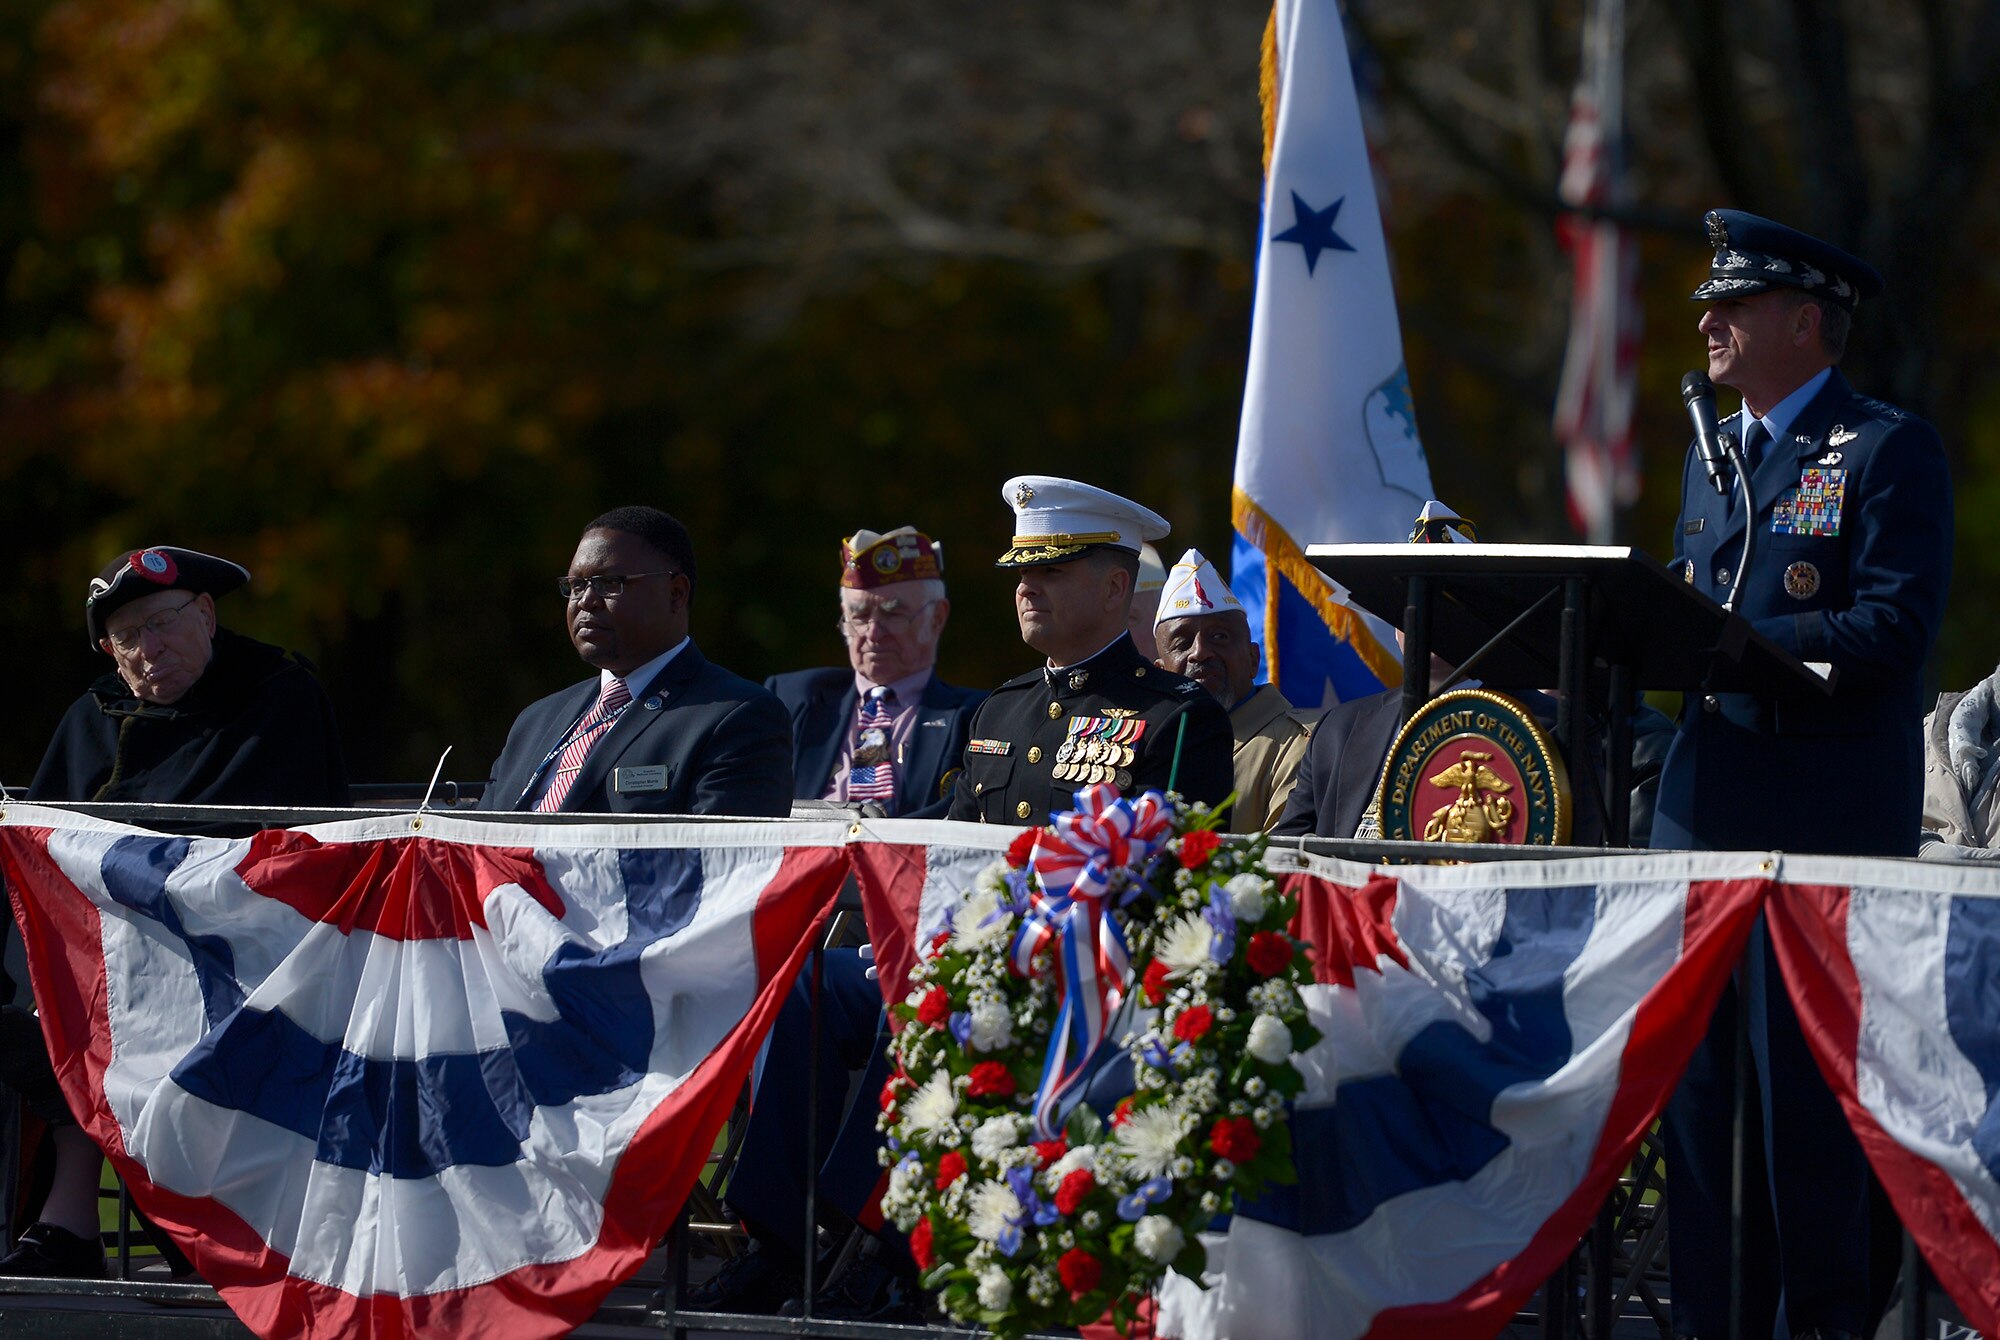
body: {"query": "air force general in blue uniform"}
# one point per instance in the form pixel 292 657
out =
pixel 1851 502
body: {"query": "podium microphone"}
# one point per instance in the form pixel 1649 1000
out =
pixel 1698 394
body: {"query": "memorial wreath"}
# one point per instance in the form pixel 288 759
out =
pixel 1025 1208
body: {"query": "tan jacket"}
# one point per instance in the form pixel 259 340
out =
pixel 1270 743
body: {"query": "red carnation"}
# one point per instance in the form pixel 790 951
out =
pixel 1191 1025
pixel 1080 1271
pixel 1048 1151
pixel 1198 846
pixel 1270 953
pixel 1235 1139
pixel 1123 1112
pixel 950 1168
pixel 934 1008
pixel 1075 1190
pixel 1155 982
pixel 1018 850
pixel 990 1079
pixel 920 1245
pixel 891 1091
pixel 940 940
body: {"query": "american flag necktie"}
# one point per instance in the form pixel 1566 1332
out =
pixel 610 702
pixel 871 772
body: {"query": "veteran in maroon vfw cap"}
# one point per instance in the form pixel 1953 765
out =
pixel 869 559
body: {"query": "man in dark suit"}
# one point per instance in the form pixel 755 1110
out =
pixel 659 729
pixel 887 731
pixel 1342 768
pixel 1852 512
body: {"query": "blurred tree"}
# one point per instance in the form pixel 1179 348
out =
pixel 385 299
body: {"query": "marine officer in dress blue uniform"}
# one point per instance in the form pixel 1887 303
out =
pixel 1851 501
pixel 1096 710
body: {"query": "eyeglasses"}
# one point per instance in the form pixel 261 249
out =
pixel 893 615
pixel 127 639
pixel 608 587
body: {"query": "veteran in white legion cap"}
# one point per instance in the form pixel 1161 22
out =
pixel 1097 710
pixel 1202 631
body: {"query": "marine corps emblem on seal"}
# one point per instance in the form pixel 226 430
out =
pixel 1802 581
pixel 1475 766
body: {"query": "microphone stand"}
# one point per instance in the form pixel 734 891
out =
pixel 1734 450
pixel 1742 468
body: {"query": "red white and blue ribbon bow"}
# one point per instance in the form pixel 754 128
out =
pixel 1075 866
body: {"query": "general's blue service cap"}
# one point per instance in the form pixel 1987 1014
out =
pixel 1755 255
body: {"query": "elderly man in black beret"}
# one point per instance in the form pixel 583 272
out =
pixel 191 713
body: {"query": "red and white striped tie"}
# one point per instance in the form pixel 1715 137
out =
pixel 610 702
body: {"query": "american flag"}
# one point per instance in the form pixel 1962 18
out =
pixel 1593 417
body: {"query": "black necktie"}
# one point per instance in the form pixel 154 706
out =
pixel 1754 439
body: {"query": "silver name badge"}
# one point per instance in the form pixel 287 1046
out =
pixel 631 781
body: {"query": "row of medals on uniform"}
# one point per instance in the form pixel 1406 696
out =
pixel 1099 749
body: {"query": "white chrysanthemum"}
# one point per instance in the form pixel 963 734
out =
pixel 995 1136
pixel 905 1179
pixel 994 1205
pixel 972 931
pixel 1270 1041
pixel 1149 1139
pixel 931 1109
pixel 992 1026
pixel 1158 1238
pixel 1082 1157
pixel 1184 946
pixel 1246 897
pixel 996 1291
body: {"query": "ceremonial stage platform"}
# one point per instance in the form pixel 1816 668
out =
pixel 1611 1286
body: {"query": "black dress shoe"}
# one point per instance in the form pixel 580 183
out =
pixel 868 1290
pixel 48 1252
pixel 757 1281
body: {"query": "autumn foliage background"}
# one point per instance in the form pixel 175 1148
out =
pixel 385 299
